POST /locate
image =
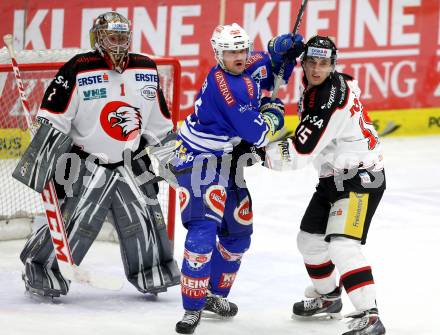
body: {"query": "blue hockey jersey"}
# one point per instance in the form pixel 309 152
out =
pixel 226 109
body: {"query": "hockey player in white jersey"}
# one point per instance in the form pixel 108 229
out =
pixel 107 102
pixel 229 119
pixel 336 134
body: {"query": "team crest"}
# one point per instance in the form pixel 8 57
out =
pixel 215 198
pixel 183 198
pixel 243 213
pixel 121 121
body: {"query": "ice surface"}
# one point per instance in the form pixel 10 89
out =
pixel 403 248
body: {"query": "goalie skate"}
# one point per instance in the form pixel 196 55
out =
pixel 320 306
pixel 43 282
pixel 219 307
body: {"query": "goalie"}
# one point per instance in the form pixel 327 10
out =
pixel 100 106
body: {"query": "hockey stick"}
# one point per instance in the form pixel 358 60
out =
pixel 51 207
pixel 279 77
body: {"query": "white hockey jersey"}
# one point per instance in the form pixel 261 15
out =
pixel 335 131
pixel 106 112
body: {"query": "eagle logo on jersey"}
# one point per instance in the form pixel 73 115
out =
pixel 121 121
pixel 126 117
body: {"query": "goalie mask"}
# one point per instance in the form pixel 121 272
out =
pixel 320 47
pixel 111 36
pixel 229 37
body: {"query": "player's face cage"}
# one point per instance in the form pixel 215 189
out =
pixel 115 43
pixel 111 35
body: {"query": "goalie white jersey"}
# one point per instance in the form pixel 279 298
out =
pixel 335 131
pixel 104 111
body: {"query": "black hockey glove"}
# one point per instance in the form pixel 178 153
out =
pixel 253 154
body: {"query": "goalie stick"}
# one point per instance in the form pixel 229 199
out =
pixel 52 210
pixel 279 77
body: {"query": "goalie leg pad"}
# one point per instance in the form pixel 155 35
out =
pixel 145 248
pixel 84 214
pixel 37 166
pixel 38 278
pixel 44 281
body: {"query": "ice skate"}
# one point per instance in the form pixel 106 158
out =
pixel 189 322
pixel 320 306
pixel 365 323
pixel 218 306
pixel 44 282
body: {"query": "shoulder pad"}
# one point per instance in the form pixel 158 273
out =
pixel 256 57
pixel 86 61
pixel 137 60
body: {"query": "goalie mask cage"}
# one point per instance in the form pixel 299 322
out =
pixel 21 208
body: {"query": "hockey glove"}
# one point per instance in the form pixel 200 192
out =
pixel 245 148
pixel 273 113
pixel 285 48
pixel 280 155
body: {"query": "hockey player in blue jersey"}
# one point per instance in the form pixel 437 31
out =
pixel 230 119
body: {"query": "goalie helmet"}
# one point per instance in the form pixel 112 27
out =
pixel 229 37
pixel 321 47
pixel 111 36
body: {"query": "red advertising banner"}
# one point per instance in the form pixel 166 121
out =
pixel 391 46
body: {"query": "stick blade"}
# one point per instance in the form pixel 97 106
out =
pixel 8 39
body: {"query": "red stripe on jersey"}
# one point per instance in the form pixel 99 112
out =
pixel 223 87
pixel 249 86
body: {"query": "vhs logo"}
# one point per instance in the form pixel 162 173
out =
pixel 96 79
pixel 98 93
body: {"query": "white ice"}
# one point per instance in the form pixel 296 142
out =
pixel 403 248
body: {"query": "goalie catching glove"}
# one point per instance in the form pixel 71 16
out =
pixel 273 113
pixel 161 156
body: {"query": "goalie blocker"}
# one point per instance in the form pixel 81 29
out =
pixel 96 191
pixel 37 166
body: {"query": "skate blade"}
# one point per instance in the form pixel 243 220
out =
pixel 318 317
pixel 214 316
pixel 38 297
